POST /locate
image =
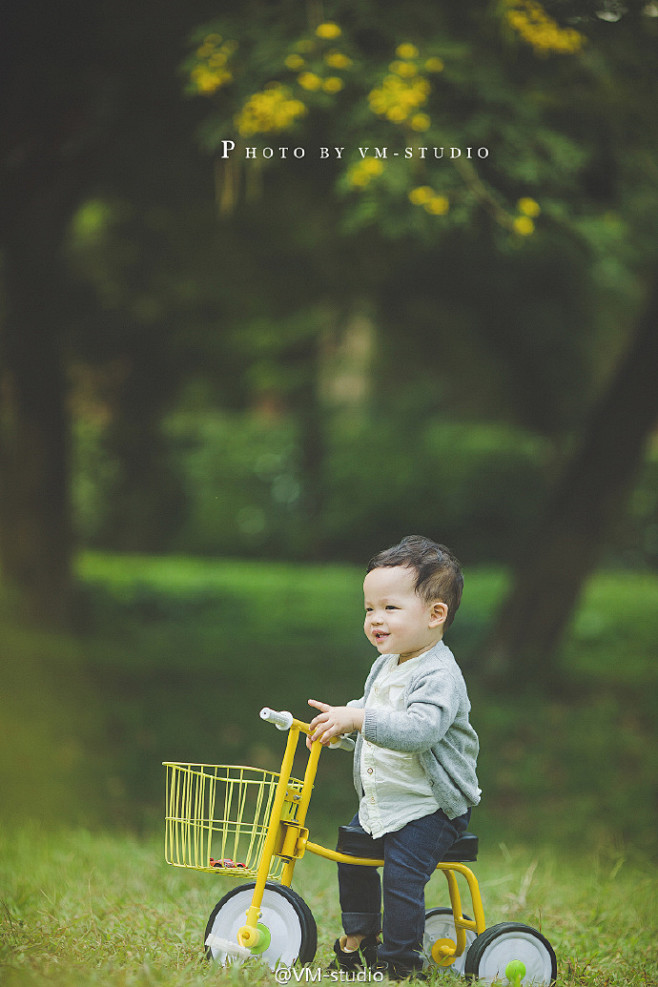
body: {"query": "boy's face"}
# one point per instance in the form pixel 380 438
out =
pixel 398 620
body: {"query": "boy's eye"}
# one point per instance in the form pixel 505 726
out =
pixel 391 607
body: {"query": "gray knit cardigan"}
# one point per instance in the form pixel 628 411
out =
pixel 434 725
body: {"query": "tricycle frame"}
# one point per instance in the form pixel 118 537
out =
pixel 509 952
pixel 288 839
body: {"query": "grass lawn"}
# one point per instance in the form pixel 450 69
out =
pixel 173 659
pixel 185 651
pixel 83 909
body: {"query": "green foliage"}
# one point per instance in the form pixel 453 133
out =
pixel 52 731
pixel 243 485
pixel 242 482
pixel 478 485
pixel 93 480
pixel 474 319
pixel 637 531
pixel 533 92
pixel 94 910
pixel 181 653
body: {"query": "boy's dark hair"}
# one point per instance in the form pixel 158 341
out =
pixel 438 573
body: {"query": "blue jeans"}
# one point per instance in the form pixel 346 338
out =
pixel 410 858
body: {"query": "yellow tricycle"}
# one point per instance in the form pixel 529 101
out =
pixel 249 823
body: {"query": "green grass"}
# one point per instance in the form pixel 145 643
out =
pixel 173 660
pixel 82 909
pixel 219 606
pixel 614 634
pixel 176 655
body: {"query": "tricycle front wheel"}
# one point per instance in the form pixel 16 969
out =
pixel 290 933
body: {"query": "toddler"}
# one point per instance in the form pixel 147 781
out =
pixel 415 756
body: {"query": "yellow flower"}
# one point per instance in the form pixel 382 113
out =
pixel 420 122
pixel 537 29
pixel 438 205
pixel 363 172
pixel 373 166
pixel 208 81
pixel 336 60
pixel 434 65
pixel 328 30
pixel 396 114
pixel 310 81
pixel 268 111
pixel 211 71
pixel 407 70
pixel 294 62
pixel 523 225
pixel 406 50
pixel 333 84
pixel 398 98
pixel 528 207
pixel 419 196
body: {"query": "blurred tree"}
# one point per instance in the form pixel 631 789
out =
pixel 524 125
pixel 586 502
pixel 49 127
pixel 96 135
pixel 89 107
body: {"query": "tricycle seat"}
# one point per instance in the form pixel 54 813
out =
pixel 354 842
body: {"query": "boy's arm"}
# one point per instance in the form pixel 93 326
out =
pixel 332 721
pixel 431 710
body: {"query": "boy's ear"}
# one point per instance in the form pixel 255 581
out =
pixel 438 613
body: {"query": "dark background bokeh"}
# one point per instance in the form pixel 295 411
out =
pixel 226 382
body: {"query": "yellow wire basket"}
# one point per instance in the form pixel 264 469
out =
pixel 217 817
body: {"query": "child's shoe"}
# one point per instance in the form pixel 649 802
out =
pixel 398 971
pixel 355 959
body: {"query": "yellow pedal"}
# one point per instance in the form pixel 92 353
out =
pixel 443 952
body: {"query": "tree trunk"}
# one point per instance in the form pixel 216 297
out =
pixel 312 452
pixel 35 526
pixel 522 648
pixel 50 129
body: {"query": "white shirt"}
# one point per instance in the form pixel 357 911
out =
pixel 396 789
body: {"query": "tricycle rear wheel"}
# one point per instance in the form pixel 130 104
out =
pixel 494 949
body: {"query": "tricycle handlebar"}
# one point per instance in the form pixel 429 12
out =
pixel 283 720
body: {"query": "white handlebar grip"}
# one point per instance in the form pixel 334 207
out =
pixel 343 744
pixel 282 720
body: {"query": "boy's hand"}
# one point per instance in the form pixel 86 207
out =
pixel 333 721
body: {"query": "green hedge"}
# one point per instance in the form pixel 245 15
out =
pixel 232 485
pixel 179 654
pixel 475 487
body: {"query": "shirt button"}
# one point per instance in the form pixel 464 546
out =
pixel 372 799
pixel 369 771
